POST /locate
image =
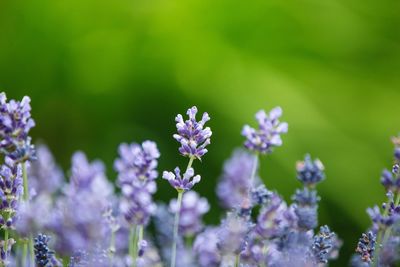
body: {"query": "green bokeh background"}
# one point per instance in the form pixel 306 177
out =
pixel 103 72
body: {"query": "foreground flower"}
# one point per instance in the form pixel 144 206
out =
pixel 44 257
pixel 180 183
pixel 15 124
pixel 268 134
pixel 192 135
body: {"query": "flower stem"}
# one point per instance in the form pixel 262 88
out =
pixel 176 228
pixel 112 247
pixel 137 239
pixel 237 260
pixel 6 244
pixel 24 253
pixel 26 198
pixel 132 238
pixel 253 171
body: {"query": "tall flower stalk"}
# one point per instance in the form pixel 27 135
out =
pixel 136 167
pixel 15 124
pixel 193 138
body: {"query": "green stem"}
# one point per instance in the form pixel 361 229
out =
pixel 176 221
pixel 26 198
pixel 6 244
pixel 112 248
pixel 176 227
pixel 24 253
pixel 190 163
pixel 237 260
pixel 138 238
pixel 254 170
pixel 132 238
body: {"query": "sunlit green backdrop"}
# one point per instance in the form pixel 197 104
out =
pixel 103 72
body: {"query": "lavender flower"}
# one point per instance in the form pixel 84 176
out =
pixel 45 176
pixel 137 203
pixel 391 180
pixel 275 218
pixel 180 183
pixel 77 217
pixel 366 246
pixel 44 257
pixel 137 162
pixel 192 210
pixel 235 182
pixel 310 172
pixel 15 124
pixel 269 133
pixel 206 248
pixel 11 189
pixel 5 253
pixel 324 243
pixel 232 234
pixel 192 135
pixel 306 208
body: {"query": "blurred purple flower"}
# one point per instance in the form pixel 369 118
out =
pixel 310 172
pixel 268 134
pixel 77 218
pixel 137 162
pixel 192 135
pixel 137 203
pixel 45 176
pixel 206 248
pixel 235 182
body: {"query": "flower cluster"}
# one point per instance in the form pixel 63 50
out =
pixel 136 169
pixel 268 134
pixel 15 124
pixel 92 224
pixel 380 246
pixel 192 135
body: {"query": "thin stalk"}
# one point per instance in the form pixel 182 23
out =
pixel 6 243
pixel 26 198
pixel 176 221
pixel 383 233
pixel 237 260
pixel 176 227
pixel 132 238
pixel 24 253
pixel 112 247
pixel 138 238
pixel 254 170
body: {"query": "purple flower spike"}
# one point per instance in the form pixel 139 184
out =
pixel 192 135
pixel 137 203
pixel 182 184
pixel 137 162
pixel 11 189
pixel 15 124
pixel 268 134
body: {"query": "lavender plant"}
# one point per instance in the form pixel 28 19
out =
pixel 380 246
pixel 92 224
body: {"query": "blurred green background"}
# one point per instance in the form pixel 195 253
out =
pixel 103 72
